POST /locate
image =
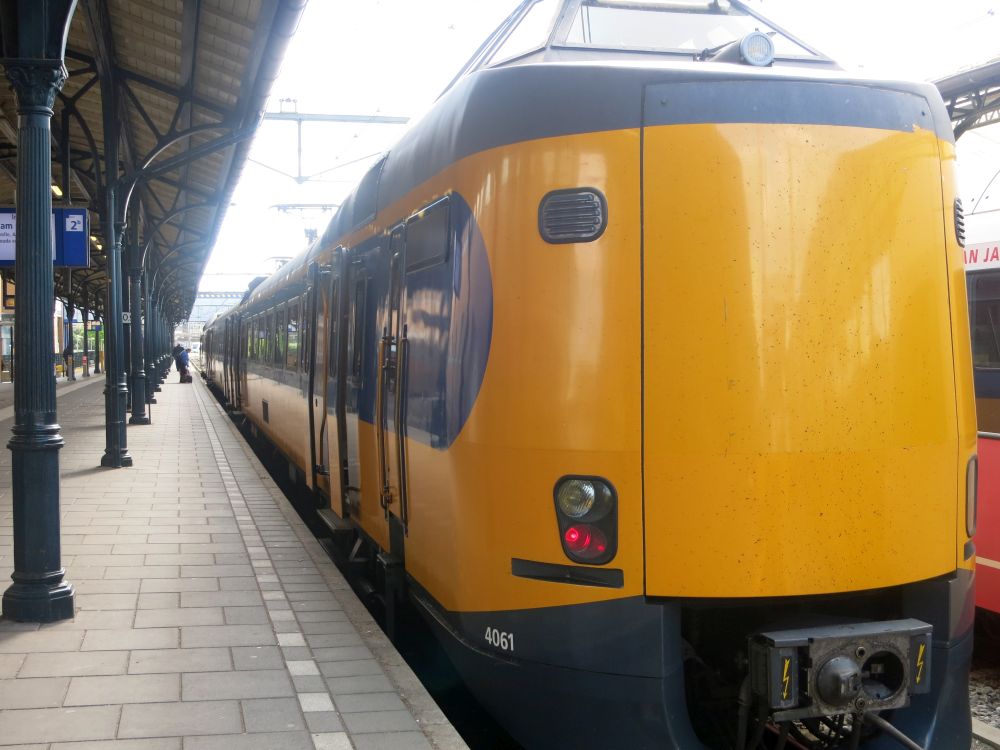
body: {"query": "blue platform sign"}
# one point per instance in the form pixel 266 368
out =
pixel 70 237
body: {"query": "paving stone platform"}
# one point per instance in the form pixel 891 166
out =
pixel 207 615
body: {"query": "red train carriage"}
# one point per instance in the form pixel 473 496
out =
pixel 982 263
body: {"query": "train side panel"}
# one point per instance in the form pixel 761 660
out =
pixel 561 392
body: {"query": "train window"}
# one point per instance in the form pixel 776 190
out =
pixel 531 33
pixel 292 349
pixel 427 236
pixel 692 27
pixel 261 337
pixel 248 335
pixel 334 330
pixel 358 327
pixel 268 340
pixel 305 334
pixel 279 337
pixel 985 307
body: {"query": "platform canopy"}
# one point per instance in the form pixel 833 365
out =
pixel 181 85
pixel 972 96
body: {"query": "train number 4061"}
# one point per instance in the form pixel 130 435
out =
pixel 503 641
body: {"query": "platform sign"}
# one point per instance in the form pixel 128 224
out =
pixel 73 241
pixel 70 237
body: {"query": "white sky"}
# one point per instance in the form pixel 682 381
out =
pixel 393 57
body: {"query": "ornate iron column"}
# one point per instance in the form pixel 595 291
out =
pixel 138 385
pixel 97 344
pixel 116 453
pixel 161 347
pixel 70 313
pixel 126 302
pixel 86 326
pixel 34 42
pixel 149 337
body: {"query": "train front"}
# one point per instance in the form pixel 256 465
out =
pixel 808 421
pixel 750 395
pixel 808 418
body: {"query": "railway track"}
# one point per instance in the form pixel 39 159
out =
pixel 984 690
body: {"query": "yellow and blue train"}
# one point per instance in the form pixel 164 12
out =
pixel 642 362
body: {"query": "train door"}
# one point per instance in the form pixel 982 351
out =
pixel 233 356
pixel 223 354
pixel 319 314
pixel 240 351
pixel 360 378
pixel 390 404
pixel 332 437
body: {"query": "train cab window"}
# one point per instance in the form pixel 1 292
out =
pixel 357 327
pixel 279 337
pixel 690 26
pixel 531 33
pixel 427 235
pixel 984 303
pixel 292 347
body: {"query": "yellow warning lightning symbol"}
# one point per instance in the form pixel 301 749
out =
pixel 920 662
pixel 786 679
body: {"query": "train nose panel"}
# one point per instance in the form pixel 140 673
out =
pixel 799 400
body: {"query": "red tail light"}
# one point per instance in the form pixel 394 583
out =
pixel 585 541
pixel 587 512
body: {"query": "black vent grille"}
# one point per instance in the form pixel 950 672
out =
pixel 959 223
pixel 577 215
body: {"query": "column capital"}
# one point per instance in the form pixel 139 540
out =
pixel 36 83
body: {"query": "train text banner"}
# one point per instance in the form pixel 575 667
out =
pixel 982 255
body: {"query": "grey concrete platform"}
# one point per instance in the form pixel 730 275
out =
pixel 207 615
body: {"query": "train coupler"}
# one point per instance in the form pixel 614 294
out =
pixel 838 669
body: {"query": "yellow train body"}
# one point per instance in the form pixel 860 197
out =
pixel 764 352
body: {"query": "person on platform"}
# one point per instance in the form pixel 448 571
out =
pixel 183 362
pixel 68 362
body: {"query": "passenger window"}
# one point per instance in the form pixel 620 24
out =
pixel 269 340
pixel 292 356
pixel 358 327
pixel 305 334
pixel 279 337
pixel 334 331
pixel 985 309
pixel 427 236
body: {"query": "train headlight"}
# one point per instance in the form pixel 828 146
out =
pixel 587 512
pixel 583 499
pixel 971 495
pixel 756 48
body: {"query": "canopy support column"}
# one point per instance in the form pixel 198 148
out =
pixel 138 385
pixel 33 40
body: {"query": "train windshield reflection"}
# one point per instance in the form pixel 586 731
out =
pixel 661 26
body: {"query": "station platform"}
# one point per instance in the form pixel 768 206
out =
pixel 207 615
